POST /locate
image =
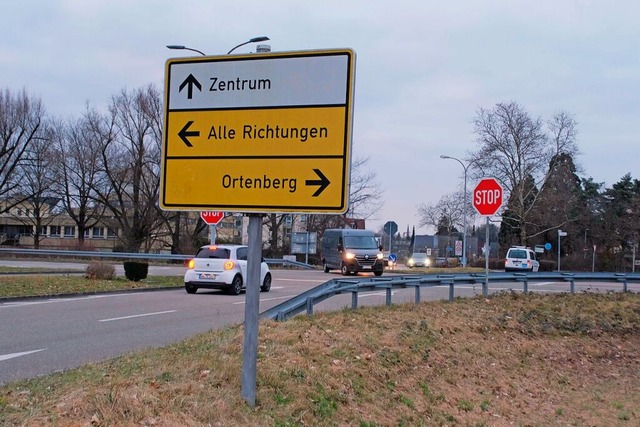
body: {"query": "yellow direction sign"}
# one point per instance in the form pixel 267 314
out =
pixel 258 133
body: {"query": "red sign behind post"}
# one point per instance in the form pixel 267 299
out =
pixel 212 217
pixel 487 196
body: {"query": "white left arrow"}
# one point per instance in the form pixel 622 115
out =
pixel 14 355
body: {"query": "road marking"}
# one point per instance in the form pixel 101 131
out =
pixel 14 355
pixel 137 315
pixel 375 294
pixel 58 300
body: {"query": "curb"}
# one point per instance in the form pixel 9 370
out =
pixel 77 294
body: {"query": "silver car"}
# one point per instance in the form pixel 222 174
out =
pixel 222 267
pixel 418 260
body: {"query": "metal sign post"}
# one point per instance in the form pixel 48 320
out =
pixel 485 285
pixel 487 199
pixel 251 310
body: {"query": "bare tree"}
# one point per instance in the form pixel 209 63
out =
pixel 128 137
pixel 21 119
pixel 365 192
pixel 518 150
pixel 446 214
pixel 36 170
pixel 77 170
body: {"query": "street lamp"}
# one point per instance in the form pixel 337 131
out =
pixel 177 46
pixel 464 231
pixel 251 40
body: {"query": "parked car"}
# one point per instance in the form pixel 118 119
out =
pixel 222 267
pixel 520 258
pixel 418 259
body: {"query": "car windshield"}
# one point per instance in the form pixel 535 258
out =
pixel 360 242
pixel 213 252
pixel 419 256
pixel 517 253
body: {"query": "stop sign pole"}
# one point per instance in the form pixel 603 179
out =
pixel 212 218
pixel 487 199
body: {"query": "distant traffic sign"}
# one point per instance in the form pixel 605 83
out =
pixel 258 133
pixel 390 227
pixel 487 196
pixel 211 217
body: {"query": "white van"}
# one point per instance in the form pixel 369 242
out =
pixel 351 251
pixel 521 258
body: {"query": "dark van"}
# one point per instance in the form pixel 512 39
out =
pixel 351 251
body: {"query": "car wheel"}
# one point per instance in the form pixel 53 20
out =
pixel 325 267
pixel 266 283
pixel 191 289
pixel 344 269
pixel 236 285
pixel 377 272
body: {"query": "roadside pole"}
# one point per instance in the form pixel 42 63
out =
pixel 485 286
pixel 212 231
pixel 251 310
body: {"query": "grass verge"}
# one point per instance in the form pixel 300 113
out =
pixel 512 359
pixel 52 285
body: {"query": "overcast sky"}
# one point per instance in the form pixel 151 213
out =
pixel 424 69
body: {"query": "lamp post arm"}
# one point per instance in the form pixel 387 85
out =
pixel 241 44
pixel 251 40
pixel 180 47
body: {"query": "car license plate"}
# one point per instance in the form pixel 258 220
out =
pixel 366 267
pixel 206 276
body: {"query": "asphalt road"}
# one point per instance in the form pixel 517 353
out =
pixel 45 335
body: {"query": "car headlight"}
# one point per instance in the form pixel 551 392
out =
pixel 349 255
pixel 380 256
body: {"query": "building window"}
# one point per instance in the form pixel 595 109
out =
pixel 86 233
pixel 98 232
pixel 43 230
pixel 54 231
pixel 111 233
pixel 69 231
pixel 25 230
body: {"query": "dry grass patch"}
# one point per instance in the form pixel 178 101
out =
pixel 48 285
pixel 508 360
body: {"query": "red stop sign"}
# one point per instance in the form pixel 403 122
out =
pixel 487 196
pixel 212 217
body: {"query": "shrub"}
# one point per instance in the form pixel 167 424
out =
pixel 101 270
pixel 136 270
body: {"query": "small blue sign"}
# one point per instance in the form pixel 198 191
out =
pixel 393 257
pixel 547 246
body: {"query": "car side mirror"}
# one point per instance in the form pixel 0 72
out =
pixel 380 248
pixel 340 247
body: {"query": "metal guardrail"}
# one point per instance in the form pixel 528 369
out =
pixel 307 300
pixel 130 255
